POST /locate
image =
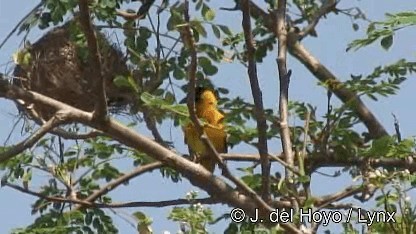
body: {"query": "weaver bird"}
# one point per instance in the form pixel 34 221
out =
pixel 206 110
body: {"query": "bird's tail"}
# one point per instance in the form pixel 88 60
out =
pixel 208 163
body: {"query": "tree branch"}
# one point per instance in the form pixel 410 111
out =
pixel 100 109
pixel 326 7
pixel 31 140
pixel 347 192
pixel 258 102
pixel 88 204
pixel 75 136
pixel 151 125
pixel 33 11
pixel 210 183
pixel 157 203
pixel 190 44
pixel 284 78
pixel 296 49
pixel 348 97
pixel 122 179
pixel 331 160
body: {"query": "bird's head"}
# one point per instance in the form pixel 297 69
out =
pixel 205 96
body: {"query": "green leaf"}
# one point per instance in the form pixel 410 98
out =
pixel 309 203
pixel 180 110
pixel 27 176
pixel 216 31
pixel 207 66
pixel 197 26
pixel 387 42
pixel 355 27
pixel 122 81
pixel 371 28
pixel 174 20
pixel 225 29
pixel 179 73
pixel 198 5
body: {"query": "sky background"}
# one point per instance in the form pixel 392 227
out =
pixel 335 33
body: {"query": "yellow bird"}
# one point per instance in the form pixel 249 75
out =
pixel 206 109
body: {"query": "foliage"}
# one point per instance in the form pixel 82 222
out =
pixel 193 219
pixel 158 61
pixel 385 30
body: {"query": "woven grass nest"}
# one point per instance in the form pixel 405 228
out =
pixel 58 69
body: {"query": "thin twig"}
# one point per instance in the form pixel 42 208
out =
pixel 177 40
pixel 159 203
pixel 326 7
pixel 397 128
pixel 31 140
pixel 20 117
pixel 258 102
pixel 88 204
pixel 307 185
pixel 122 179
pixel 287 166
pixel 284 78
pixel 125 216
pixel 76 136
pixel 151 125
pixel 20 22
pixel 134 28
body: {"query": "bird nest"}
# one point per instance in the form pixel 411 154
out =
pixel 57 66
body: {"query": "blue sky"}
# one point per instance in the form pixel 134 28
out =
pixel 335 33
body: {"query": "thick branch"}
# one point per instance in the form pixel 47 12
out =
pixel 100 109
pixel 258 102
pixel 331 160
pixel 210 183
